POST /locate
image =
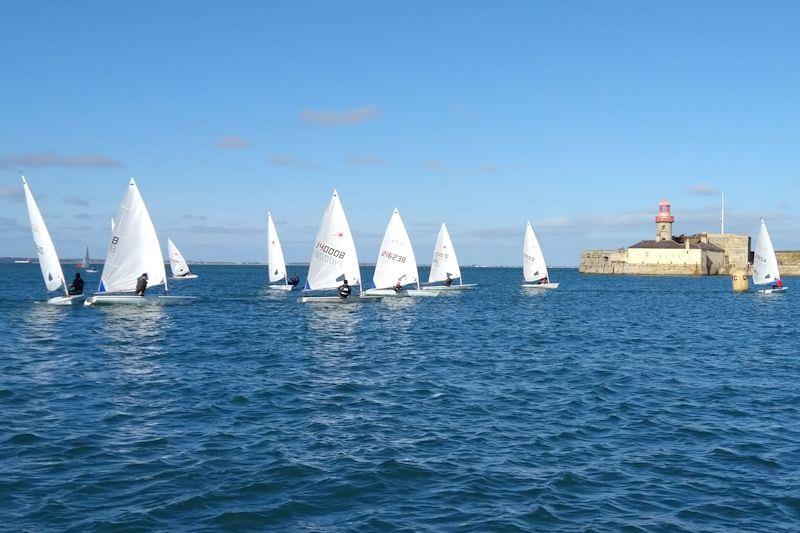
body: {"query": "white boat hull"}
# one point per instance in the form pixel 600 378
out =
pixel 773 289
pixel 405 293
pixel 75 299
pixel 540 285
pixel 130 299
pixel 445 288
pixel 337 300
pixel 90 271
pixel 188 276
pixel 284 288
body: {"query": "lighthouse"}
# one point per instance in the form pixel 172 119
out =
pixel 664 220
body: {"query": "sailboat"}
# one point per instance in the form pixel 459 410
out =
pixel 445 264
pixel 48 258
pixel 133 250
pixel 765 264
pixel 397 265
pixel 334 259
pixel 275 261
pixel 177 264
pixel 86 264
pixel 534 268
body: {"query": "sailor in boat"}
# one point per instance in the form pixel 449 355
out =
pixel 141 284
pixel 294 281
pixel 77 285
pixel 345 290
pixel 398 287
pixel 448 281
pixel 777 284
pixel 544 281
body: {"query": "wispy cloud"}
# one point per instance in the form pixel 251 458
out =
pixel 283 160
pixel 488 168
pixel 366 161
pixel 51 159
pixel 340 118
pixel 701 189
pixel 195 217
pixel 232 142
pixel 226 230
pixel 12 192
pixel 434 165
pixel 82 216
pixel 10 224
pixel 76 200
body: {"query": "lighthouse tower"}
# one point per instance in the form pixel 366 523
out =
pixel 664 222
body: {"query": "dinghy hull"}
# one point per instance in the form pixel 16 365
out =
pixel 773 289
pixel 542 286
pixel 406 293
pixel 336 300
pixel 66 300
pixel 188 276
pixel 282 288
pixel 130 299
pixel 445 288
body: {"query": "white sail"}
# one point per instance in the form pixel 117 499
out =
pixel 534 267
pixel 275 260
pixel 765 264
pixel 113 224
pixel 133 249
pixel 48 258
pixel 334 258
pixel 85 264
pixel 177 263
pixel 396 261
pixel 444 261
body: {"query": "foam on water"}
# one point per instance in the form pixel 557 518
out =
pixel 611 403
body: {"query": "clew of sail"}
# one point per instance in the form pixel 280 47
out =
pixel 396 261
pixel 334 258
pixel 275 260
pixel 45 250
pixel 444 261
pixel 177 263
pixel 134 247
pixel 765 264
pixel 534 267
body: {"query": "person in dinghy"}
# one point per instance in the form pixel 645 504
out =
pixel 141 285
pixel 345 290
pixel 77 285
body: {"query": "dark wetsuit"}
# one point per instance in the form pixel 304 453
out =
pixel 76 287
pixel 398 288
pixel 141 286
pixel 448 282
pixel 293 281
pixel 345 290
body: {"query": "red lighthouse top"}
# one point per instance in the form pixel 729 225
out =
pixel 663 212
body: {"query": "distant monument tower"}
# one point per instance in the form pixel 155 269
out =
pixel 664 222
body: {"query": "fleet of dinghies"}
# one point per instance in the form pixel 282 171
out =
pixel 334 274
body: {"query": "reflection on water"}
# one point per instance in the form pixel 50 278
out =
pixel 134 336
pixel 38 335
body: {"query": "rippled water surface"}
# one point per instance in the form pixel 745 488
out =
pixel 658 404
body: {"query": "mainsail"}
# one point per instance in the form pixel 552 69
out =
pixel 444 258
pixel 133 249
pixel 177 263
pixel 275 260
pixel 534 267
pixel 396 261
pixel 334 258
pixel 765 264
pixel 85 264
pixel 48 259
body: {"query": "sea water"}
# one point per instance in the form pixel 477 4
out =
pixel 612 403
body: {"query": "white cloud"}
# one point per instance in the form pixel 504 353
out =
pixel 283 160
pixel 50 159
pixel 340 118
pixel 232 142
pixel 701 189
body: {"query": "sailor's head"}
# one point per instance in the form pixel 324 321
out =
pixel 345 282
pixel 144 275
pixel 77 275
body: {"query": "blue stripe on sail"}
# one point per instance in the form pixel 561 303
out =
pixel 307 287
pixel 101 288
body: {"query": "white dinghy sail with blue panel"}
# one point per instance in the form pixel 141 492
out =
pixel 396 269
pixel 134 250
pixel 765 264
pixel 46 252
pixel 86 263
pixel 177 264
pixel 334 260
pixel 534 268
pixel 444 266
pixel 275 261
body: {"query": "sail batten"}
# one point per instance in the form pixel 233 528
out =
pixel 275 259
pixel 396 261
pixel 134 247
pixel 45 249
pixel 444 261
pixel 334 258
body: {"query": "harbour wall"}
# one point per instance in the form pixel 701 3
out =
pixel 618 262
pixel 789 262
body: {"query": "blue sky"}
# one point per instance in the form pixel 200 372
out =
pixel 579 116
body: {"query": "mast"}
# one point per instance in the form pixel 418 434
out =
pixel 722 219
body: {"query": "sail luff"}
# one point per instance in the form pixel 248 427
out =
pixel 45 249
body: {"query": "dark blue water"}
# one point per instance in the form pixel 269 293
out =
pixel 613 403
